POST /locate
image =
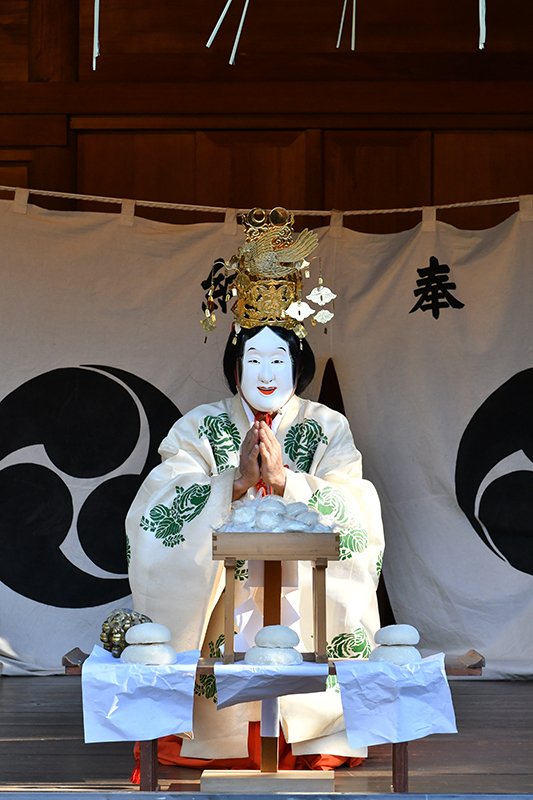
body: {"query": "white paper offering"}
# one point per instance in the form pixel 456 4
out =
pixel 242 683
pixel 386 703
pixel 127 702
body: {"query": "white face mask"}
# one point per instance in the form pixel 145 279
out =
pixel 266 382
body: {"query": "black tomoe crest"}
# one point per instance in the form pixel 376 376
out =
pixel 75 445
pixel 494 471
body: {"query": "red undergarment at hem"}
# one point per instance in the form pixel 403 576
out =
pixel 169 752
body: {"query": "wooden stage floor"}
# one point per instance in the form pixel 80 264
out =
pixel 42 748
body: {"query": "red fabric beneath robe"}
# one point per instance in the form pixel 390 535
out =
pixel 169 752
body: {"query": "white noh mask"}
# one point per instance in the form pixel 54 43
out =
pixel 267 380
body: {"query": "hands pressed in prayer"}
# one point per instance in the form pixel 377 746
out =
pixel 260 460
pixel 271 463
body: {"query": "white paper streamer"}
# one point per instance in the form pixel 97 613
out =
pixel 341 26
pixel 482 23
pixel 219 23
pixel 96 39
pixel 236 44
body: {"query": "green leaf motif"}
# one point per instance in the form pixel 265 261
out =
pixel 379 563
pixel 331 502
pixel 128 551
pixel 353 541
pixel 167 523
pixel 302 441
pixel 224 438
pixel 191 502
pixel 206 685
pixel 350 645
pixel 214 647
pixel 241 571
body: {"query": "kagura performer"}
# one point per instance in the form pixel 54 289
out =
pixel 263 439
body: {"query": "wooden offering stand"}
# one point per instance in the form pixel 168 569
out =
pixel 273 549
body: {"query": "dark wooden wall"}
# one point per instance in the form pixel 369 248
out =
pixel 416 116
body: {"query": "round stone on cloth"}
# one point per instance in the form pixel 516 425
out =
pixel 265 656
pixel 397 634
pixel 276 636
pixel 150 654
pixel 399 654
pixel 147 633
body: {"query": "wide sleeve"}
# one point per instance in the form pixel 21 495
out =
pixel 172 575
pixel 334 486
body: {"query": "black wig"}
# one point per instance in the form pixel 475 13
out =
pixel 303 360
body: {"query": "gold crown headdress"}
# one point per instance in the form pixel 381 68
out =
pixel 268 281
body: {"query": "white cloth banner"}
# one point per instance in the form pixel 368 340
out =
pixel 438 387
pixel 386 703
pixel 126 702
pixel 102 350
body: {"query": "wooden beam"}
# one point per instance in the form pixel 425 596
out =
pixel 325 66
pixel 33 130
pixel 348 97
pixel 413 121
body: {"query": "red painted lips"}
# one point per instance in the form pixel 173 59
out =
pixel 267 391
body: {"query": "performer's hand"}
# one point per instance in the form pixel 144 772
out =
pixel 272 469
pixel 249 463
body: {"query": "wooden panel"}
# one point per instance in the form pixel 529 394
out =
pixel 228 169
pixel 140 166
pixel 243 169
pixel 377 169
pixel 23 130
pixel 14 40
pixel 12 175
pixel 480 166
pixel 53 40
pixel 54 169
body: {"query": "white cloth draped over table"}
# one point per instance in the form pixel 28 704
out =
pixel 175 581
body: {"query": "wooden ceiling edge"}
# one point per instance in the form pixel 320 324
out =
pixel 335 97
pixel 380 121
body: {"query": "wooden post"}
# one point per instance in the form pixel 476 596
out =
pixel 272 593
pixel 148 766
pixel 400 768
pixel 269 753
pixel 229 609
pixel 319 600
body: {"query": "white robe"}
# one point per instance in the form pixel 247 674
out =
pixel 175 581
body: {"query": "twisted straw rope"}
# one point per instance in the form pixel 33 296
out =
pixel 221 210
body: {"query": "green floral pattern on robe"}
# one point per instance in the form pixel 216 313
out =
pixel 167 523
pixel 224 438
pixel 206 685
pixel 330 502
pixel 347 645
pixel 302 441
pixel 241 570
